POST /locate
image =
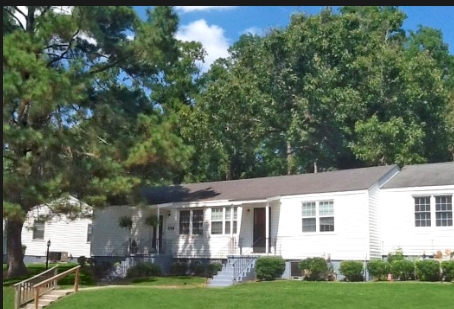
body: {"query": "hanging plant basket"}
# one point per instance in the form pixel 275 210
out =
pixel 151 220
pixel 125 222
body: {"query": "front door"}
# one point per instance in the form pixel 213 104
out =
pixel 259 238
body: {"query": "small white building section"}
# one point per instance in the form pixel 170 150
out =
pixel 417 210
pixel 69 235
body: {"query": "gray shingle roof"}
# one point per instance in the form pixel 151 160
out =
pixel 422 175
pixel 266 187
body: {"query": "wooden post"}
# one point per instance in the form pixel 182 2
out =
pixel 17 297
pixel 36 297
pixel 76 282
pixel 55 282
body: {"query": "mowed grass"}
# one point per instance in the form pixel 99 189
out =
pixel 8 297
pixel 264 295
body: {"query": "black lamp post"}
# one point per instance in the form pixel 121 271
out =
pixel 47 254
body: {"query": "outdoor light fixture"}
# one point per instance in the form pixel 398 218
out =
pixel 47 254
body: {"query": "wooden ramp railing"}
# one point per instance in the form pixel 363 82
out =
pixel 33 288
pixel 24 289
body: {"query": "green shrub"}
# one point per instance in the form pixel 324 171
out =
pixel 179 269
pixel 212 269
pixel 403 270
pixel 397 255
pixel 102 269
pixel 82 260
pixel 269 267
pixel 428 270
pixel 378 269
pixel 447 269
pixel 352 270
pixel 315 268
pixel 197 268
pixel 144 269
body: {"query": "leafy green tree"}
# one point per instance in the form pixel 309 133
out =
pixel 343 89
pixel 77 113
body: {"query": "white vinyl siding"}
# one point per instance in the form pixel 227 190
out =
pixel 399 227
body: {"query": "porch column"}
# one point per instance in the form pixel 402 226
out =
pixel 158 245
pixel 267 222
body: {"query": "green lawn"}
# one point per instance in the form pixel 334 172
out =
pixel 8 297
pixel 263 295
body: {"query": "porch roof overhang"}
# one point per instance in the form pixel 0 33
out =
pixel 211 203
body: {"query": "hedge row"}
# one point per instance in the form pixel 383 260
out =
pixel 423 270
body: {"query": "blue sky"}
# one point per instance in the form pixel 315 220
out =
pixel 218 27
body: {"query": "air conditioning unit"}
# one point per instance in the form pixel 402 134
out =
pixel 58 256
pixel 64 257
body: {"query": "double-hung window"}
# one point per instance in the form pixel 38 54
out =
pixel 433 210
pixel 422 211
pixel 443 210
pixel 38 229
pixel 191 222
pixel 318 216
pixel 224 220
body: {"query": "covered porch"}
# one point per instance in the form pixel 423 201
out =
pixel 218 229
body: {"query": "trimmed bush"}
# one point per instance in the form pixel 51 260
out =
pixel 403 270
pixel 428 270
pixel 378 269
pixel 179 269
pixel 315 268
pixel 269 268
pixel 196 268
pixel 447 270
pixel 352 270
pixel 144 269
pixel 212 269
pixel 397 255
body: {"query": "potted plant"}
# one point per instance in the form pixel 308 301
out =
pixel 125 222
pixel 151 220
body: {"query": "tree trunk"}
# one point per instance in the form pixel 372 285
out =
pixel 16 266
pixel 290 163
pixel 229 172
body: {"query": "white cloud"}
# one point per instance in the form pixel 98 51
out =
pixel 86 37
pixel 190 9
pixel 212 38
pixel 64 10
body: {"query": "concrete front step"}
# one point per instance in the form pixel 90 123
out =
pixel 48 298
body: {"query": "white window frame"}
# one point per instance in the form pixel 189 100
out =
pixel 315 213
pixel 438 211
pixel 38 225
pixel 443 211
pixel 192 229
pixel 228 220
pixel 422 211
